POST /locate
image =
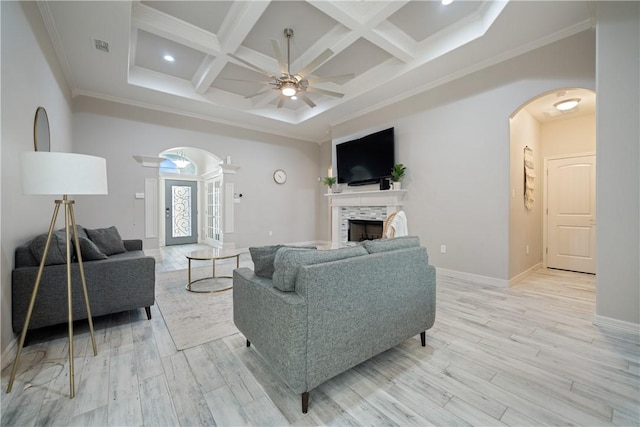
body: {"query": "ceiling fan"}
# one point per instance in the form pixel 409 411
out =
pixel 297 84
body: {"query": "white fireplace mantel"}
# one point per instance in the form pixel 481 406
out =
pixel 391 200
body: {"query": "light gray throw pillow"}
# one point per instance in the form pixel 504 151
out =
pixel 384 245
pixel 289 259
pixel 108 240
pixel 264 257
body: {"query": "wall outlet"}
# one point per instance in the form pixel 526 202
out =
pixel 527 249
pixel 443 249
pixel 270 233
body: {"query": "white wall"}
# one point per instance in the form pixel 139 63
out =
pixel 525 226
pixel 31 77
pixel 617 175
pixel 454 140
pixel 569 136
pixel 118 132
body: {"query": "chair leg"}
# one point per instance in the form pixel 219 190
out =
pixel 248 343
pixel 305 402
pixel 423 338
pixel 148 310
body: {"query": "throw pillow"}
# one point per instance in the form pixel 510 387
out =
pixel 89 250
pixel 108 240
pixel 289 259
pixel 57 253
pixel 384 245
pixel 263 258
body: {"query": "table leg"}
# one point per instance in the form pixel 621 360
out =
pixel 214 268
pixel 189 282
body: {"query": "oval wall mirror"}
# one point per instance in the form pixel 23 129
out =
pixel 41 140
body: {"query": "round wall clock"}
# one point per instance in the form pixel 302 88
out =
pixel 280 176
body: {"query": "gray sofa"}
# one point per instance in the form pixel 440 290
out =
pixel 323 312
pixel 115 282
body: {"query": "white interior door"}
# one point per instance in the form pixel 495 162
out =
pixel 571 214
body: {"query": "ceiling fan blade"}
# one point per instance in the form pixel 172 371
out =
pixel 281 101
pixel 306 99
pixel 325 92
pixel 258 93
pixel 315 63
pixel 249 81
pixel 334 79
pixel 276 49
pixel 249 64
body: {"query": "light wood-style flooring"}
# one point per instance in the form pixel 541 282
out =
pixel 524 356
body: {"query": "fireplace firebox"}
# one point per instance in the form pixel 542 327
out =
pixel 361 230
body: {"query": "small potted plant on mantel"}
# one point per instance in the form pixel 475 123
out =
pixel 329 181
pixel 397 173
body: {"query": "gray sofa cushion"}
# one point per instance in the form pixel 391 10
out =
pixel 108 240
pixel 57 253
pixel 264 257
pixel 289 259
pixel 384 245
pixel 89 250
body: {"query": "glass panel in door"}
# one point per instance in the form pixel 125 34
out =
pixel 181 222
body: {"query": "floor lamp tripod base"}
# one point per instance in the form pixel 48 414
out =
pixel 69 220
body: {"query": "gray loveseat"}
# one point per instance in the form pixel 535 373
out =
pixel 119 277
pixel 323 312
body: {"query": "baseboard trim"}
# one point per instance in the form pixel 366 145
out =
pixel 515 279
pixel 620 325
pixel 9 353
pixel 477 278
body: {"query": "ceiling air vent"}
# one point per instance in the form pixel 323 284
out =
pixel 101 45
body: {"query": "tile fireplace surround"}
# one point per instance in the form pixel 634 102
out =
pixel 363 205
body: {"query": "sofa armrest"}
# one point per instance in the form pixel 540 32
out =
pixel 132 245
pixel 275 322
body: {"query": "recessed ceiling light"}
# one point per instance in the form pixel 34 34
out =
pixel 446 2
pixel 169 58
pixel 293 97
pixel 567 104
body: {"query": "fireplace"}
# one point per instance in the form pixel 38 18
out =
pixel 361 229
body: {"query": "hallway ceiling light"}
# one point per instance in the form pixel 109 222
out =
pixel 567 104
pixel 182 162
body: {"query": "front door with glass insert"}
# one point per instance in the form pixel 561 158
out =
pixel 181 219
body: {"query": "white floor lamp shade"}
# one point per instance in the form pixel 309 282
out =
pixel 63 173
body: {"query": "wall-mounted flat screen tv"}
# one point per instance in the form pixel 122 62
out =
pixel 366 160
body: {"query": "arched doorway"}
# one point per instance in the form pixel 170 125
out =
pixel 543 137
pixel 190 197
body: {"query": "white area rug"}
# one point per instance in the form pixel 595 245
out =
pixel 196 318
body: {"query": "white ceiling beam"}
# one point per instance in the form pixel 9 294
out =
pixel 237 24
pixel 393 40
pixel 163 25
pixel 369 21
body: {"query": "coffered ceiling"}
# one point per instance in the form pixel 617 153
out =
pixel 393 49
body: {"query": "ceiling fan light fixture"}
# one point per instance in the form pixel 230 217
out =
pixel 289 89
pixel 567 104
